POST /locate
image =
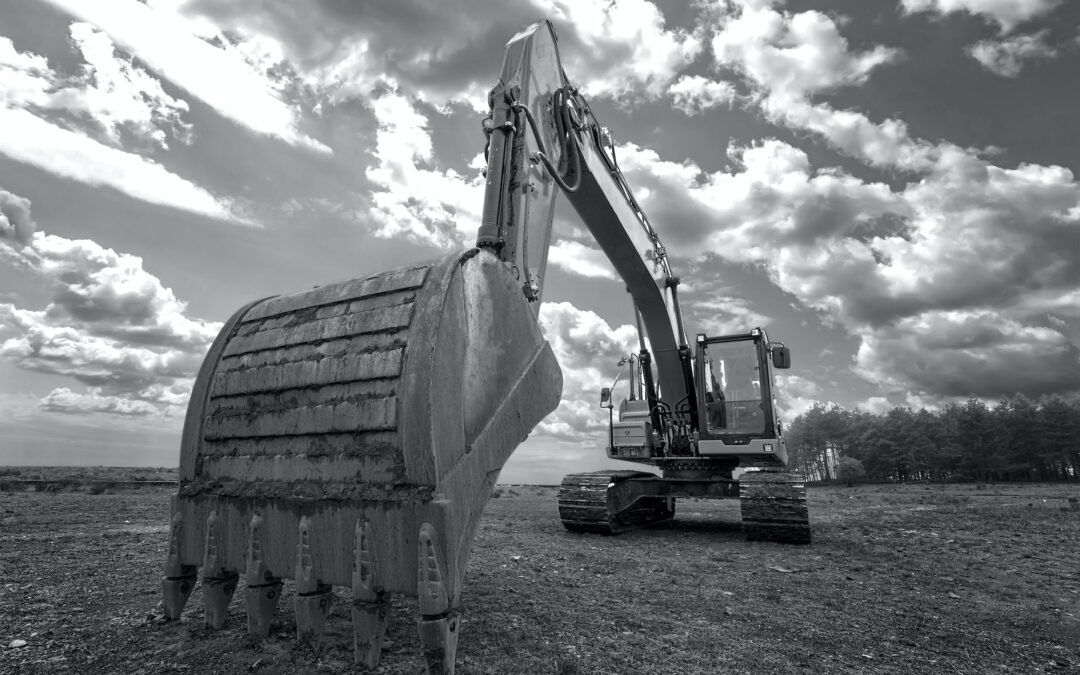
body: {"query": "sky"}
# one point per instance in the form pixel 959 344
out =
pixel 887 187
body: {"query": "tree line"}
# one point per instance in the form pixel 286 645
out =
pixel 1017 439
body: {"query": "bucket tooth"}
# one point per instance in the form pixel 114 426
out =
pixel 263 588
pixel 179 579
pixel 371 602
pixel 438 639
pixel 438 622
pixel 313 598
pixel 219 583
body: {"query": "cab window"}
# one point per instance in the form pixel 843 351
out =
pixel 733 403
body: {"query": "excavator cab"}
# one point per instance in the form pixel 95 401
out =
pixel 735 396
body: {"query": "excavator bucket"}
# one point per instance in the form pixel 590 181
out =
pixel 350 435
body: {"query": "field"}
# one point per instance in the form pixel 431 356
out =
pixel 900 579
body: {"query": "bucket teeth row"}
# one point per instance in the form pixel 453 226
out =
pixel 437 625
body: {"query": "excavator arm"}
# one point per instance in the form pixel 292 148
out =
pixel 543 138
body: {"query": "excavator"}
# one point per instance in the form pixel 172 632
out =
pixel 350 435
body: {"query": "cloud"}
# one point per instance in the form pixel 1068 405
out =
pixel 63 400
pixel 962 241
pixel 623 49
pixel 694 94
pixel 793 55
pixel 1006 13
pixel 1007 57
pixel 30 139
pixel 771 199
pixel 795 395
pixel 117 98
pixel 886 144
pixel 15 223
pixel 45 344
pixel 969 236
pixel 588 350
pixel 970 352
pixel 118 95
pixel 24 78
pixel 712 306
pixel 452 50
pixel 411 200
pixel 218 76
pixel 577 258
pixel 109 324
pixel 112 292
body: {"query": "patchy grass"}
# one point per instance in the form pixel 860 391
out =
pixel 900 579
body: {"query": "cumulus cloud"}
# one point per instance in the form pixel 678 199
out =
pixel 620 49
pixel 969 235
pixel 16 226
pixel 793 55
pixel 451 51
pixel 24 78
pixel 1006 13
pixel 970 352
pixel 116 97
pixel 109 324
pixel 220 77
pixel 588 350
pixel 63 400
pixel 796 394
pixel 963 241
pixel 1007 57
pixel 581 259
pixel 773 198
pixel 29 139
pixel 694 94
pixel 412 200
pixel 713 307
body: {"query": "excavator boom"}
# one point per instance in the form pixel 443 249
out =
pixel 543 137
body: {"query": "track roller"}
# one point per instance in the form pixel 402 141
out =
pixel 610 502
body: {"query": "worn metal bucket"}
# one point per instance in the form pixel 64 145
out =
pixel 350 435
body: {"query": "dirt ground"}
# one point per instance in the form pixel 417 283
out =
pixel 899 579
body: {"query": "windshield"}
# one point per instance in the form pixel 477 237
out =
pixel 733 388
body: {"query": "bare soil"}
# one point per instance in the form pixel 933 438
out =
pixel 899 579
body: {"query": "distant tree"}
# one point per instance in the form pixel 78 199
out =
pixel 851 469
pixel 1059 436
pixel 1017 439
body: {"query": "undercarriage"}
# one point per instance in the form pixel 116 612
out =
pixel 772 505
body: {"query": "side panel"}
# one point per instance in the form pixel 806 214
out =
pixel 753 453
